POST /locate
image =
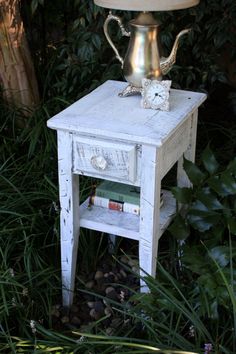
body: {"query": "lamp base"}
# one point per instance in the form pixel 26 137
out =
pixel 130 90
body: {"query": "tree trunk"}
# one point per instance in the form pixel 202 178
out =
pixel 17 73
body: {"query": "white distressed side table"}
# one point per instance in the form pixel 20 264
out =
pixel 108 137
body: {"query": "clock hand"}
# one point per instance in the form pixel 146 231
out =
pixel 158 95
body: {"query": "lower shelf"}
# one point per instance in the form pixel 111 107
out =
pixel 120 223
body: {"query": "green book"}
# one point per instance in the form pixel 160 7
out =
pixel 119 192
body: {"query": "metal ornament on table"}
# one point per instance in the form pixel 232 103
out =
pixel 142 59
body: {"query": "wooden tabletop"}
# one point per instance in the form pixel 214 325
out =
pixel 103 114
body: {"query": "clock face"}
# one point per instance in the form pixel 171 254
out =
pixel 156 94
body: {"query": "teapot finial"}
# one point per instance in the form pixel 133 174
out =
pixel 167 63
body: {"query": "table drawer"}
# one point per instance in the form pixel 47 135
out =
pixel 101 158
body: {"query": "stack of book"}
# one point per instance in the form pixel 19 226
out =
pixel 117 196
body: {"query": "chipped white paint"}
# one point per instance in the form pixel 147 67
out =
pixel 106 159
pixel 108 137
pixel 69 218
pixel 150 210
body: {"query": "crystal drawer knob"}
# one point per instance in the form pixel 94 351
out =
pixel 99 163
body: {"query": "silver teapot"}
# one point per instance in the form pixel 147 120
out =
pixel 142 59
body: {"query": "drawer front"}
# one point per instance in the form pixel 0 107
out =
pixel 104 159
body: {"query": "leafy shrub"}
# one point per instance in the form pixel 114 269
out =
pixel 208 228
pixel 72 55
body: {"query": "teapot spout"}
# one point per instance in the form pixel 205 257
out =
pixel 167 63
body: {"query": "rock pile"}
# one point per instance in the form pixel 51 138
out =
pixel 96 297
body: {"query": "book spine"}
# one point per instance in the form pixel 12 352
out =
pixel 131 208
pixel 118 196
pixel 106 203
pixel 115 205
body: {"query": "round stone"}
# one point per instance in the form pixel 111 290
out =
pixel 75 321
pixel 122 272
pixel 109 289
pixel 89 284
pixel 91 304
pixel 65 319
pixel 124 259
pixel 98 275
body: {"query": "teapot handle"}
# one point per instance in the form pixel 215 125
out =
pixel 109 18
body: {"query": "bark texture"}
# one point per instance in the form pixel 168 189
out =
pixel 17 73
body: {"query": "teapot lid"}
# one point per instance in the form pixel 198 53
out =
pixel 147 5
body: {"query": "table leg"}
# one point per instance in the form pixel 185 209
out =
pixel 69 216
pixel 150 211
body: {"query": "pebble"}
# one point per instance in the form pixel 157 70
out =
pixel 124 259
pixel 132 263
pixel 112 295
pixel 98 275
pixel 55 313
pixel 91 304
pixel 94 314
pixel 89 284
pixel 109 331
pixel 119 276
pixel 123 274
pixel 135 269
pixel 108 311
pixel 75 321
pixel 109 289
pixel 65 319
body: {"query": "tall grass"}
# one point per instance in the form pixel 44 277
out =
pixel 29 277
pixel 167 320
pixel 29 218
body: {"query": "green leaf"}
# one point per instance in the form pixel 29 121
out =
pixel 223 185
pixel 199 265
pixel 182 195
pixel 209 161
pixel 34 6
pixel 195 175
pixel 220 254
pixel 179 228
pixel 201 218
pixel 209 199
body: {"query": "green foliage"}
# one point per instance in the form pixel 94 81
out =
pixel 200 59
pixel 166 320
pixel 30 282
pixel 208 227
pixel 210 201
pixel 72 55
pixel 28 238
